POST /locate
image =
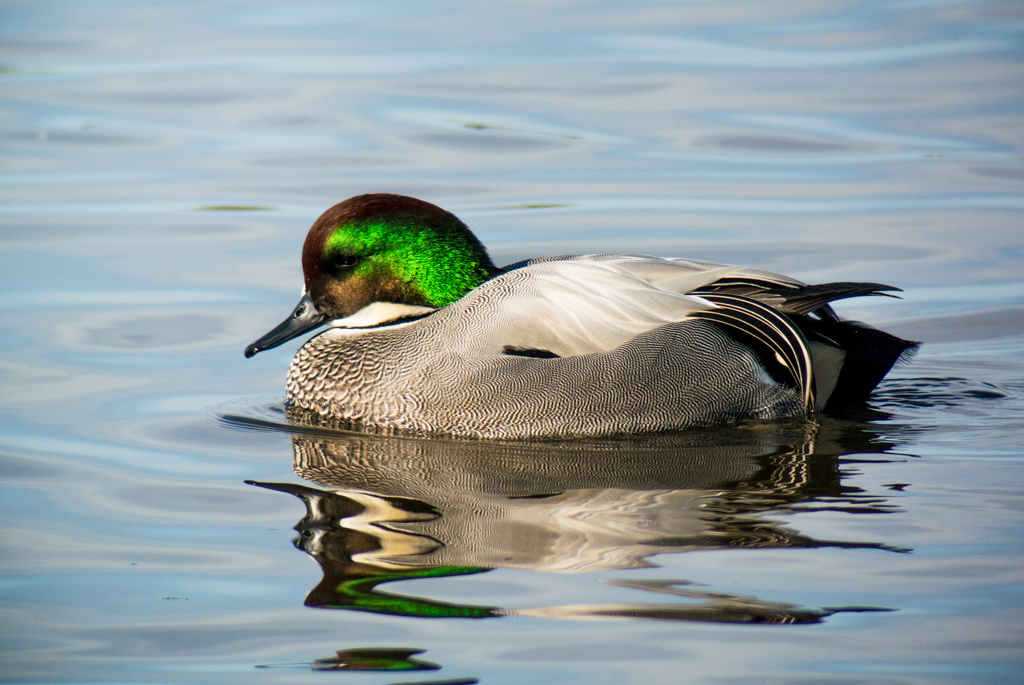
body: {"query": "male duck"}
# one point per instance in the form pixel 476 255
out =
pixel 425 334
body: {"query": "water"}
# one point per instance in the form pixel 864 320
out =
pixel 161 163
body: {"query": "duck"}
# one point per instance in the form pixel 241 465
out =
pixel 422 334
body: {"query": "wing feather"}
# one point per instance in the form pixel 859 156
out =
pixel 579 305
pixel 772 329
pixel 568 306
pixel 800 298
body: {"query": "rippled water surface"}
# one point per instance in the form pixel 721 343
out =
pixel 161 163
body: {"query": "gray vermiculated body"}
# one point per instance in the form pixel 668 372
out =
pixel 628 363
pixel 647 385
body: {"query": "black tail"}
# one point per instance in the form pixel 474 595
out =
pixel 870 354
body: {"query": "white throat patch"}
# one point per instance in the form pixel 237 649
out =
pixel 380 313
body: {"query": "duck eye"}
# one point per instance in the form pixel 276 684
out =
pixel 344 261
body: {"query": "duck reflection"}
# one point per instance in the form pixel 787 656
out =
pixel 396 508
pixel 367 659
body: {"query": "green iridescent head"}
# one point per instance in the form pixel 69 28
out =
pixel 390 248
pixel 381 248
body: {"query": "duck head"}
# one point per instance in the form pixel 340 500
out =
pixel 381 248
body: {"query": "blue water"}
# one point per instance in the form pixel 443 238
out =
pixel 161 163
